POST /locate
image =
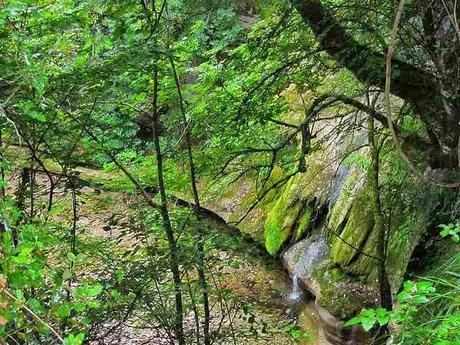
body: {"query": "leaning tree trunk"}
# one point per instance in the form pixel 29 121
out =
pixel 418 87
pixel 385 289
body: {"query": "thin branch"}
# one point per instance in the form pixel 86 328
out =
pixel 47 325
pixel 282 123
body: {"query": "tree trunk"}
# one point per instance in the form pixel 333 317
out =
pixel 20 200
pixel 385 290
pixel 173 251
pixel 384 284
pixel 73 230
pixel 2 165
pixel 32 189
pixel 415 85
pixel 196 210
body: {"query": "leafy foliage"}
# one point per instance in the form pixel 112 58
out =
pixel 451 230
pixel 427 311
pixel 36 296
pixel 254 84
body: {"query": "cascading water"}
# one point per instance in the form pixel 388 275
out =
pixel 302 258
pixel 296 293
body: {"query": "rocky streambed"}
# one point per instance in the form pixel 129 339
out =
pixel 301 260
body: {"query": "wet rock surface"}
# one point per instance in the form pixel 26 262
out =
pixel 302 258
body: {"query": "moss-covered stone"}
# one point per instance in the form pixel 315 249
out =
pixel 340 209
pixel 286 213
pixel 405 234
pixel 315 182
pixel 304 222
pixel 358 228
pixel 340 293
pixel 365 266
pixel 282 217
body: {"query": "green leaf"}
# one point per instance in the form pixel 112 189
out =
pixel 383 316
pixel 368 323
pixel 64 311
pixel 420 299
pixel 74 339
pixel 353 321
pixel 35 305
pixel 425 287
pixel 71 257
pixel 39 83
pixel 403 296
pixel 79 307
pixel 19 294
pixel 409 285
pixel 86 291
pixel 368 319
pixel 95 290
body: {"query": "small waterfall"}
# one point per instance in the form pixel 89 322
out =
pixel 296 293
pixel 300 259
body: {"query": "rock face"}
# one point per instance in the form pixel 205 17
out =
pixel 321 221
pixel 301 260
pixel 332 200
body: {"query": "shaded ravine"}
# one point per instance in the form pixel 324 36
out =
pixel 314 319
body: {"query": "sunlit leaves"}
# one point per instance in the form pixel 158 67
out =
pixel 30 110
pixel 74 339
pixel 451 230
pixel 413 294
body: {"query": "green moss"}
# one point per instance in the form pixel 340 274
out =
pixel 358 227
pixel 340 293
pixel 282 217
pixel 284 212
pixel 304 222
pixel 274 237
pixel 404 237
pixel 364 265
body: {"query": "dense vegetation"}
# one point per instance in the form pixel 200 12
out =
pixel 158 158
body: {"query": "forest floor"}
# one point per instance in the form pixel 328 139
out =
pixel 259 313
pixel 252 307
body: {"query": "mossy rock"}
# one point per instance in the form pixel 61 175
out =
pixel 364 265
pixel 304 221
pixel 340 294
pixel 282 217
pixel 314 183
pixel 403 240
pixel 341 208
pixel 358 228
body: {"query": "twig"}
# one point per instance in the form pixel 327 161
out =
pixel 453 17
pixel 56 334
pixel 3 113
